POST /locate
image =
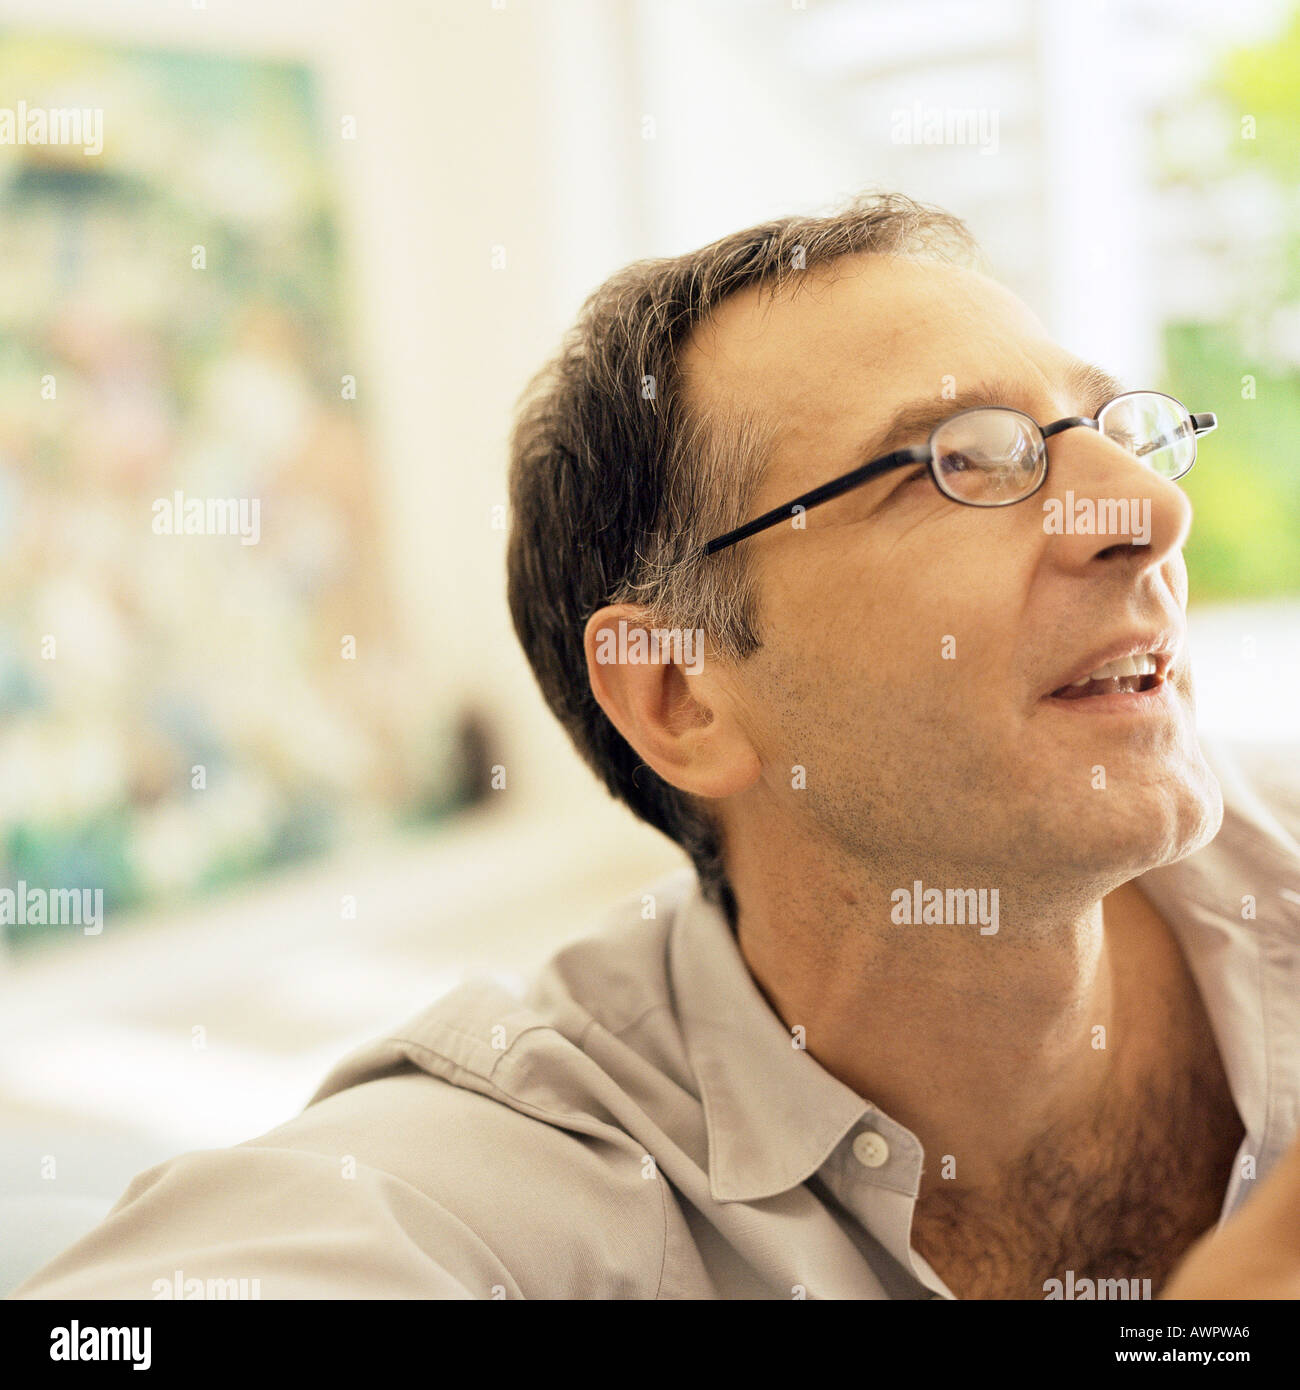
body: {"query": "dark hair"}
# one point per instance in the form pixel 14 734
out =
pixel 617 478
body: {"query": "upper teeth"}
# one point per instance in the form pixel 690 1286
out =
pixel 1141 665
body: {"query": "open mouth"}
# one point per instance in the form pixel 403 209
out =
pixel 1128 675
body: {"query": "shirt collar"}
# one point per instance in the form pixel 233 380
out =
pixel 1229 906
pixel 773 1114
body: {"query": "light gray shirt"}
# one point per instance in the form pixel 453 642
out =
pixel 642 1124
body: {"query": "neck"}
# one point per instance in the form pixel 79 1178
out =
pixel 976 1042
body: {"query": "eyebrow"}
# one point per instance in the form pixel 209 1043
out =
pixel 1088 386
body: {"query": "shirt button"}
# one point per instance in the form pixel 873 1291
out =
pixel 870 1149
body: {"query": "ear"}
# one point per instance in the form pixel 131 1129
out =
pixel 669 701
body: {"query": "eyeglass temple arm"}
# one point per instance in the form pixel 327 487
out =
pixel 824 493
pixel 1201 424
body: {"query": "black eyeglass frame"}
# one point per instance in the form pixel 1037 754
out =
pixel 1202 423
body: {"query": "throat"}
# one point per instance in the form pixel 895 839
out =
pixel 1120 1188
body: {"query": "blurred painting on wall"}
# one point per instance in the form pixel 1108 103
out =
pixel 200 676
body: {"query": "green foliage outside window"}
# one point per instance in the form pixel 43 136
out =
pixel 1245 488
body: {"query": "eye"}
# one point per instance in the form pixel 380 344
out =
pixel 900 488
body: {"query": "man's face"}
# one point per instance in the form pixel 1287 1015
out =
pixel 910 644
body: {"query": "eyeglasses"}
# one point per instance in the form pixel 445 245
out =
pixel 994 456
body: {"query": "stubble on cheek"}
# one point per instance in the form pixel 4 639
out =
pixel 887 774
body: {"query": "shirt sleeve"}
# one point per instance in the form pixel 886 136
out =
pixel 272 1223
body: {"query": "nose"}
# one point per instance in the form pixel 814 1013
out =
pixel 1102 506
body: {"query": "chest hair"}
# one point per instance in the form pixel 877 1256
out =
pixel 1120 1196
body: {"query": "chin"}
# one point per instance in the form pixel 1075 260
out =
pixel 1161 801
pixel 1200 814
pixel 1173 816
pixel 1156 811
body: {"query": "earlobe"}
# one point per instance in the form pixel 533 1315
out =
pixel 673 712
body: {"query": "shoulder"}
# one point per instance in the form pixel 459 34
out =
pixel 401 1187
pixel 478 1151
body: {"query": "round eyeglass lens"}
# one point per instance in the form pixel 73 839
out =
pixel 988 458
pixel 1154 428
